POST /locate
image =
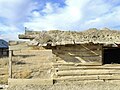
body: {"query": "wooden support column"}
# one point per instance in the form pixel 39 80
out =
pixel 102 50
pixel 10 63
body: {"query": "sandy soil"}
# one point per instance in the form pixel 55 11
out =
pixel 71 86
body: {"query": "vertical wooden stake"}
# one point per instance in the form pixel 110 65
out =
pixel 10 63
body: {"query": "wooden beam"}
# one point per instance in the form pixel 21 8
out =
pixel 87 72
pixel 88 77
pixel 14 82
pixel 77 78
pixel 67 68
pixel 78 64
pixel 10 63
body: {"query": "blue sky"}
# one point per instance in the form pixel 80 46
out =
pixel 40 15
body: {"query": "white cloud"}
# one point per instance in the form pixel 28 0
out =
pixel 63 18
pixel 13 13
pixel 15 10
pixel 76 15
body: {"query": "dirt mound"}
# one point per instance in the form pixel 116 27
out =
pixel 71 37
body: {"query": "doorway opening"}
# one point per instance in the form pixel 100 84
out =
pixel 111 55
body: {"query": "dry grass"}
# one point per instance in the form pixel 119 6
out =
pixel 3 62
pixel 26 64
pixel 3 70
pixel 22 74
pixel 4 79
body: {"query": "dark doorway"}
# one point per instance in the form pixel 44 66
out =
pixel 111 55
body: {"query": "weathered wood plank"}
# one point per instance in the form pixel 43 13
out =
pixel 13 82
pixel 18 47
pixel 110 77
pixel 87 72
pixel 75 78
pixel 88 77
pixel 64 68
pixel 78 64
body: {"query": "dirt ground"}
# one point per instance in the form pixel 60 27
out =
pixel 3 70
pixel 71 86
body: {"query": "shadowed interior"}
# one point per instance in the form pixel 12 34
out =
pixel 111 55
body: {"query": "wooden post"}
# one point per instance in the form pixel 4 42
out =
pixel 10 63
pixel 102 54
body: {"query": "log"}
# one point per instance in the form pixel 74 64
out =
pixel 89 77
pixel 87 72
pixel 78 64
pixel 110 77
pixel 65 68
pixel 75 78
pixel 10 63
pixel 14 82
